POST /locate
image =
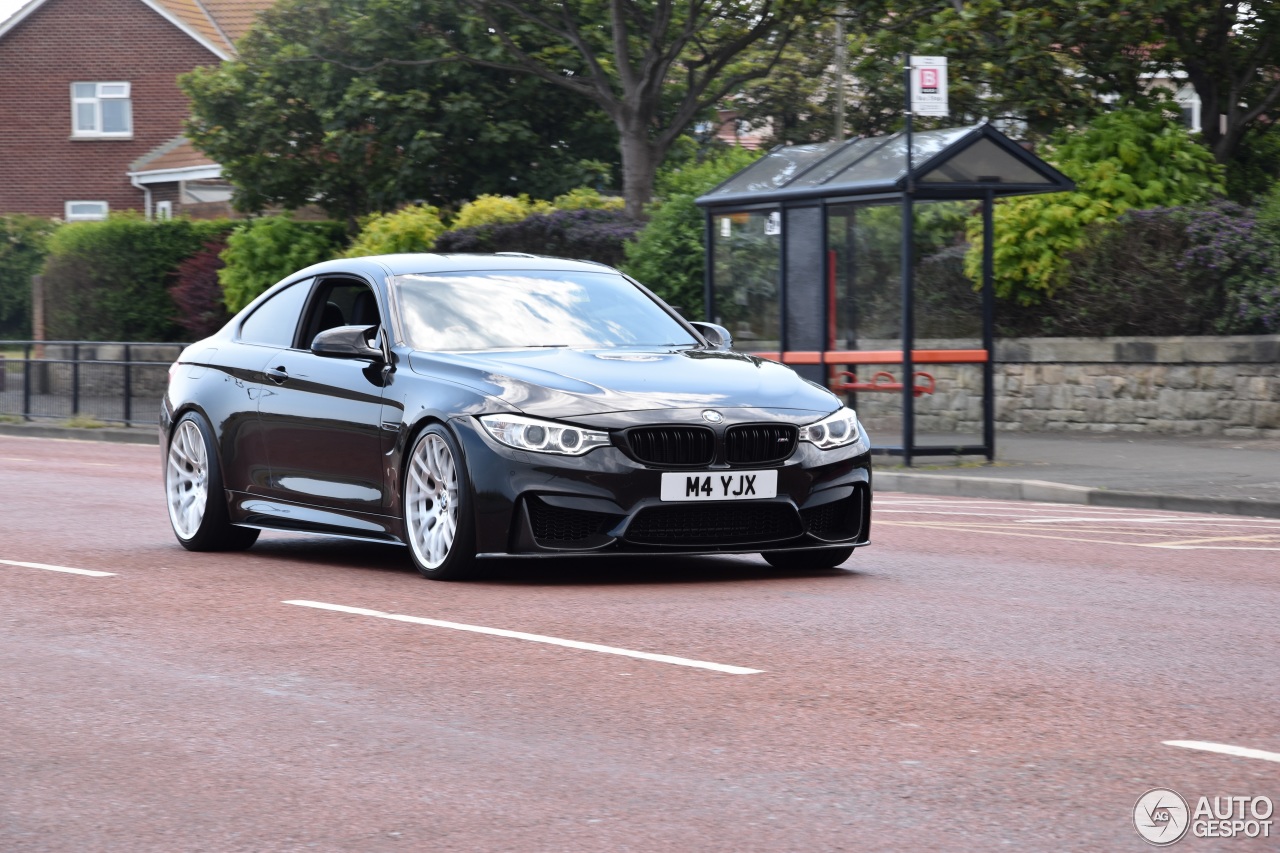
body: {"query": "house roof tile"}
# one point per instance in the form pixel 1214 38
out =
pixel 220 22
pixel 177 153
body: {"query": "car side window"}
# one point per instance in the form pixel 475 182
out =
pixel 340 302
pixel 275 322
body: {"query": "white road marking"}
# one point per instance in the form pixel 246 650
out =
pixel 535 638
pixel 91 573
pixel 1225 749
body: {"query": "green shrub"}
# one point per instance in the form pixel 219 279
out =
pixel 585 198
pixel 496 210
pixel 262 251
pixel 409 229
pixel 1126 159
pixel 668 256
pixel 23 244
pixel 110 280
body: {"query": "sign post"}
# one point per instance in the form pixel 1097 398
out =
pixel 925 94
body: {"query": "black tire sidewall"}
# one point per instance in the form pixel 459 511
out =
pixel 460 562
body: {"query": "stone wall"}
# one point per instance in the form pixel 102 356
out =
pixel 1227 386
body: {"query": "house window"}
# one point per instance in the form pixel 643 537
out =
pixel 1189 106
pixel 84 211
pixel 101 109
pixel 164 210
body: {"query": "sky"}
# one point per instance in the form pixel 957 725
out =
pixel 8 7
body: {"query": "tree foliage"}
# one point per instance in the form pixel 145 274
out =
pixel 668 256
pixel 1126 159
pixel 651 67
pixel 262 251
pixel 311 111
pixel 197 294
pixel 586 233
pixel 23 243
pixel 110 280
pixel 409 229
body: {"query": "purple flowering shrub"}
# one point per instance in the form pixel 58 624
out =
pixel 1207 269
pixel 1231 246
pixel 594 235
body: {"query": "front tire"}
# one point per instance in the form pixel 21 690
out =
pixel 194 491
pixel 800 561
pixel 438 518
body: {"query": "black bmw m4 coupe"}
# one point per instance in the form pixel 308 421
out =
pixel 473 406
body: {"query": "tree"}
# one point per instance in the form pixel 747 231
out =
pixel 1230 52
pixel 1128 159
pixel 652 67
pixel 1043 63
pixel 356 135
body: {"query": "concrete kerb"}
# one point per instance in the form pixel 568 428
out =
pixel 1041 491
pixel 119 435
pixel 942 485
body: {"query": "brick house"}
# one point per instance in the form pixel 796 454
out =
pixel 90 111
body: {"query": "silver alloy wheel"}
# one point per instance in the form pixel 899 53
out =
pixel 431 501
pixel 187 479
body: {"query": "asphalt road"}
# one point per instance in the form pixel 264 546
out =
pixel 985 675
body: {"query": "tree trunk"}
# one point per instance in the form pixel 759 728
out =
pixel 639 167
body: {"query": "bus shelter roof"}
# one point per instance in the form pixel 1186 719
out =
pixel 950 163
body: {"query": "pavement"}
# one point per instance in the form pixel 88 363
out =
pixel 1186 473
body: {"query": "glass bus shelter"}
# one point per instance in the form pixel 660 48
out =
pixel 872 278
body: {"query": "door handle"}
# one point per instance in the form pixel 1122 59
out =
pixel 277 375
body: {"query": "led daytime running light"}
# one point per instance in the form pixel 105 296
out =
pixel 541 436
pixel 836 430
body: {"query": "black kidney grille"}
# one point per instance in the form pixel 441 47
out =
pixel 754 444
pixel 735 523
pixel 673 445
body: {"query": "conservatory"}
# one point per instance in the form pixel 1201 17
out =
pixel 873 278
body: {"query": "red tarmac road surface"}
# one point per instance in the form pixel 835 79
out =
pixel 986 675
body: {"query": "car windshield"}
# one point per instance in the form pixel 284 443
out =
pixel 511 309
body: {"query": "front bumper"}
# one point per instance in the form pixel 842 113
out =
pixel 532 504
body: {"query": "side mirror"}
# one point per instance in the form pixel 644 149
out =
pixel 717 336
pixel 347 342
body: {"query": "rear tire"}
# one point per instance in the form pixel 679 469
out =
pixel 799 561
pixel 438 519
pixel 194 492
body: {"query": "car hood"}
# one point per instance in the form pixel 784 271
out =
pixel 562 382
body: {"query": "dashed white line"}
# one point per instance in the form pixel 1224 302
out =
pixel 1225 749
pixel 535 638
pixel 90 572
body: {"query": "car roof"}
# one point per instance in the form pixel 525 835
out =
pixel 431 262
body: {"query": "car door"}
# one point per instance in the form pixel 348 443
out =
pixel 321 416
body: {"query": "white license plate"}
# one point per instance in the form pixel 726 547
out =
pixel 719 485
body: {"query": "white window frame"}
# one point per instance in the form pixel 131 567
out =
pixel 85 217
pixel 164 210
pixel 102 91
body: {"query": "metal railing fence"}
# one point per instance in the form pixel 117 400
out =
pixel 108 381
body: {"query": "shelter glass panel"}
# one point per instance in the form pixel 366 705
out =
pixel 987 163
pixel 745 298
pixel 775 169
pixel 889 161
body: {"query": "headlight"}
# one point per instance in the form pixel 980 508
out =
pixel 543 436
pixel 836 430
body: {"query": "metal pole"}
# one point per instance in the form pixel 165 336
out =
pixel 908 302
pixel 27 376
pixel 128 385
pixel 842 63
pixel 708 267
pixel 988 327
pixel 75 379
